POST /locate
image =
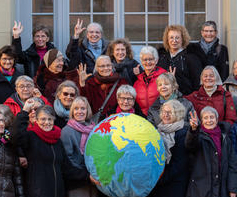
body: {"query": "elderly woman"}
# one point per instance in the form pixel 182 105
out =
pixel 48 164
pixel 97 88
pixel 209 51
pixel 33 56
pixel 168 89
pixel 90 48
pixel 214 164
pixel 174 180
pixel 74 136
pixel 120 53
pixel 10 173
pixel 187 67
pixel 145 85
pixel 211 93
pixel 52 73
pixel 24 90
pixel 126 96
pixel 8 72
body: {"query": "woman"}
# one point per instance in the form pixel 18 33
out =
pixel 8 72
pixel 126 96
pixel 168 89
pixel 65 94
pixel 187 66
pixel 98 87
pixel 24 90
pixel 10 176
pixel 33 56
pixel 211 93
pixel 120 53
pixel 209 51
pixel 214 164
pixel 145 85
pixel 74 136
pixel 174 180
pixel 52 73
pixel 48 165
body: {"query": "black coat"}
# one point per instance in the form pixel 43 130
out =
pixel 78 52
pixel 216 56
pixel 30 57
pixel 206 178
pixel 48 164
pixel 188 69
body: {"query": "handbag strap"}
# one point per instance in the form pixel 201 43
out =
pixel 108 96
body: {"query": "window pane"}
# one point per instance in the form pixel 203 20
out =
pixel 156 26
pixel 103 5
pixel 73 21
pixel 135 27
pixel 134 5
pixel 157 5
pixel 79 5
pixel 44 20
pixel 107 22
pixel 195 6
pixel 42 6
pixel 193 24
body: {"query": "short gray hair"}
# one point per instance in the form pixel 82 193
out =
pixel 171 78
pixel 126 89
pixel 95 24
pixel 149 50
pixel 8 115
pixel 100 58
pixel 217 76
pixel 209 23
pixel 209 109
pixel 46 109
pixel 24 78
pixel 64 84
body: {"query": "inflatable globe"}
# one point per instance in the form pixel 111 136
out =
pixel 126 154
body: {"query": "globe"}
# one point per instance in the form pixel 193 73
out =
pixel 126 154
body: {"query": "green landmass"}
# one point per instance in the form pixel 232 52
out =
pixel 104 147
pixel 120 179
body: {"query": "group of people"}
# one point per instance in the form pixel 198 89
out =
pixel 47 106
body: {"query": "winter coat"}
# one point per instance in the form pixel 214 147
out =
pixel 10 173
pixel 48 164
pixel 200 99
pixel 147 93
pixel 206 178
pixel 154 111
pixel 188 69
pixel 216 56
pixel 174 180
pixel 30 57
pixel 78 52
pixel 16 106
pixel 8 87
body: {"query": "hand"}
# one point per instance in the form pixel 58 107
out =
pixel 193 121
pixel 36 92
pixel 232 194
pixel 17 29
pixel 136 70
pixel 78 28
pixel 94 181
pixel 82 74
pixel 172 71
pixel 23 162
pixel 29 104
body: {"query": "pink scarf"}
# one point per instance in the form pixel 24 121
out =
pixel 85 131
pixel 118 110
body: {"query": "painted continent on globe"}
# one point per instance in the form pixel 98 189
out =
pixel 126 154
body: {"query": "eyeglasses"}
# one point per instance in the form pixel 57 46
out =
pixel 38 36
pixel 9 59
pixel 129 99
pixel 177 38
pixel 168 113
pixel 28 86
pixel 105 66
pixel 148 59
pixel 70 94
pixel 43 120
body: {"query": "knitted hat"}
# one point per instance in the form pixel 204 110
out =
pixel 50 56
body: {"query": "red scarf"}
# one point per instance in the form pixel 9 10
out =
pixel 118 110
pixel 6 72
pixel 50 137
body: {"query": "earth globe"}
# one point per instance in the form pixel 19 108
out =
pixel 126 154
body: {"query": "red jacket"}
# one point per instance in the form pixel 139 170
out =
pixel 200 99
pixel 147 93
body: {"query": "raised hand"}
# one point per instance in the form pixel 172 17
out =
pixel 172 71
pixel 78 28
pixel 36 92
pixel 136 70
pixel 82 74
pixel 193 121
pixel 17 29
pixel 28 105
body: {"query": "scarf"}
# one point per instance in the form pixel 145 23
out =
pixel 210 91
pixel 106 80
pixel 60 110
pixel 215 135
pixel 174 54
pixel 50 137
pixel 148 78
pixel 95 48
pixel 6 136
pixel 173 96
pixel 119 110
pixel 41 52
pixel 84 129
pixel 167 132
pixel 206 46
pixel 6 72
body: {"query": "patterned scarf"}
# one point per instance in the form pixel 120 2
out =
pixel 6 72
pixel 5 138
